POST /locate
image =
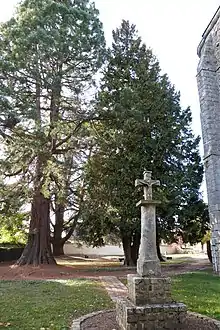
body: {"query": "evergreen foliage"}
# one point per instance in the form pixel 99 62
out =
pixel 50 52
pixel 143 127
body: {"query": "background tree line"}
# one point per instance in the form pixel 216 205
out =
pixel 79 123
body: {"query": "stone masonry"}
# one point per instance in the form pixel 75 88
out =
pixel 149 290
pixel 208 78
pixel 149 305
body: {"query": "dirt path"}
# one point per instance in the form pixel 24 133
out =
pixel 70 269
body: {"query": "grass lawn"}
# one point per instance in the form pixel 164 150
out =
pixel 178 261
pixel 90 265
pixel 87 263
pixel 48 305
pixel 200 291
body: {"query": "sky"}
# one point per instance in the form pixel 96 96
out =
pixel 172 28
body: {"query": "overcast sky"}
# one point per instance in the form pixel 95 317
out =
pixel 172 28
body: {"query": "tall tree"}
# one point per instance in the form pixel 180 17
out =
pixel 66 207
pixel 50 51
pixel 193 221
pixel 142 127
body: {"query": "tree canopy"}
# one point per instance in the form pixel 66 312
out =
pixel 50 53
pixel 74 158
pixel 142 127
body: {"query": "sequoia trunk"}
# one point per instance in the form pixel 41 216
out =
pixel 58 248
pixel 38 248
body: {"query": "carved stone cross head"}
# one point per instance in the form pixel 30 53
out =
pixel 147 184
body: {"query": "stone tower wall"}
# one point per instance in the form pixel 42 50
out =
pixel 208 78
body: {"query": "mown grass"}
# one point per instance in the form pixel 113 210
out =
pixel 200 291
pixel 177 261
pixel 48 305
pixel 81 264
pixel 92 265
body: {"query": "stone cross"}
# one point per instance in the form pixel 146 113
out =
pixel 147 184
pixel 149 304
pixel 148 263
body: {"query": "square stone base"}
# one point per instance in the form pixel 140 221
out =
pixel 150 316
pixel 148 268
pixel 149 290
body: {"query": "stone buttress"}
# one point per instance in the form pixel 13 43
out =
pixel 208 78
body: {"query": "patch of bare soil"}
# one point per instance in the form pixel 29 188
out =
pixel 88 269
pixel 11 272
pixel 105 321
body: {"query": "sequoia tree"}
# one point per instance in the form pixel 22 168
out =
pixel 143 127
pixel 50 51
pixel 66 207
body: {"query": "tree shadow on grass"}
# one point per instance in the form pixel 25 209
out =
pixel 50 304
pixel 200 291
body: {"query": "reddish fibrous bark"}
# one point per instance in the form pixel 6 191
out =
pixel 38 248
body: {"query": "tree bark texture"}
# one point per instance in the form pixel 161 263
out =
pixel 58 248
pixel 131 249
pixel 38 248
pixel 126 242
pixel 135 247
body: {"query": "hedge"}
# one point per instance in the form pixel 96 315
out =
pixel 10 253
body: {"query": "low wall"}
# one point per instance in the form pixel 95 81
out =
pixel 114 250
pixel 169 249
pixel 108 250
pixel 192 321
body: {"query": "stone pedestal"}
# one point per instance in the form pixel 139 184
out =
pixel 146 290
pixel 149 317
pixel 149 305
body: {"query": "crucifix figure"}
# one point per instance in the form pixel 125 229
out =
pixel 147 184
pixel 148 263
